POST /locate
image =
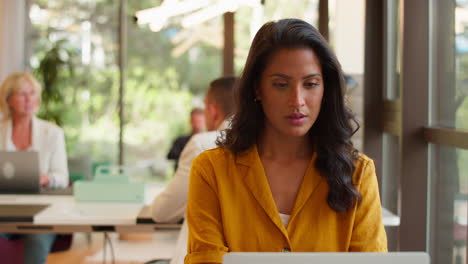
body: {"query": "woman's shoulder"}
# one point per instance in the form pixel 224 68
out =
pixel 363 158
pixel 212 164
pixel 215 156
pixel 364 167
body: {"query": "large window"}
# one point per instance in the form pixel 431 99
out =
pixel 167 72
pixel 424 163
pixel 461 65
pixel 449 172
pixel 449 109
pixel 390 192
pixel 423 123
pixel 250 18
pixel 80 46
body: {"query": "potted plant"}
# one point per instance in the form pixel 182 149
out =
pixel 54 70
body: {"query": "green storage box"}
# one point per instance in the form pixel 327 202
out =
pixel 111 184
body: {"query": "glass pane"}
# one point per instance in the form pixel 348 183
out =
pixel 461 65
pixel 393 43
pixel 168 70
pixel 249 18
pixel 449 204
pixel 80 44
pixel 247 21
pixel 347 22
pixel 390 193
pixel 449 166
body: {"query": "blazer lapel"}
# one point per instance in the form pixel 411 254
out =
pixel 35 137
pixel 256 181
pixel 311 181
pixel 6 127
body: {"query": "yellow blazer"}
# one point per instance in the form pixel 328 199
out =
pixel 230 208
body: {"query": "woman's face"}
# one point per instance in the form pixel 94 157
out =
pixel 291 91
pixel 24 101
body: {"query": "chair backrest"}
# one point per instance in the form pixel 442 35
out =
pixel 62 242
pixel 11 251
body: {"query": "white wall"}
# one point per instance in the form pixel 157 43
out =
pixel 348 35
pixel 12 35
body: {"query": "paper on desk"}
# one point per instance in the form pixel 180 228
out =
pixel 74 213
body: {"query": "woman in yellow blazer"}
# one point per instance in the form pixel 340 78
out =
pixel 286 176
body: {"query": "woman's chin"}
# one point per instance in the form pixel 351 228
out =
pixel 24 114
pixel 297 132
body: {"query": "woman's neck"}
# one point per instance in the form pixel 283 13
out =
pixel 272 146
pixel 21 132
pixel 21 122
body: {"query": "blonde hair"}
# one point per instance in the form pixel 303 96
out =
pixel 11 84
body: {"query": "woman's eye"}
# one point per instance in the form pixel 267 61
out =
pixel 280 85
pixel 310 84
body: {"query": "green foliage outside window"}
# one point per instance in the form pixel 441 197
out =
pixel 81 95
pixel 160 88
pixel 461 106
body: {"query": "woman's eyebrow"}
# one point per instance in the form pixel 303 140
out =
pixel 280 75
pixel 288 77
pixel 311 75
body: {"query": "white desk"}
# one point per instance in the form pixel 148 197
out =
pixel 64 215
pixel 389 219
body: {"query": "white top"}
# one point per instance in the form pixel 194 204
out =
pixel 285 219
pixel 49 141
pixel 10 146
pixel 169 206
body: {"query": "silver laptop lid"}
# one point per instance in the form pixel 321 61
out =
pixel 19 172
pixel 326 258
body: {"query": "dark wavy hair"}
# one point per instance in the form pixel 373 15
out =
pixel 331 133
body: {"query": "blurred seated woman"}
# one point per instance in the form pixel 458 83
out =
pixel 285 176
pixel 21 130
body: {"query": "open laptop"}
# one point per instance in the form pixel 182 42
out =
pixel 326 258
pixel 19 172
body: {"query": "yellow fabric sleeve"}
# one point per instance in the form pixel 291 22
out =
pixel 368 232
pixel 206 240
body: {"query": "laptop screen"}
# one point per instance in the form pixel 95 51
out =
pixel 326 258
pixel 19 172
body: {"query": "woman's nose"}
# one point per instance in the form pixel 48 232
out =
pixel 296 97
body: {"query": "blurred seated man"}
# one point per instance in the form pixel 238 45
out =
pixel 21 130
pixel 197 122
pixel 169 206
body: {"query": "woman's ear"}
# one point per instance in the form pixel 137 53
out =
pixel 213 111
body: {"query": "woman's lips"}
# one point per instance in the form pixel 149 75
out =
pixel 296 119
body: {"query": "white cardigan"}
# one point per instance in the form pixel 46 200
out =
pixel 49 141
